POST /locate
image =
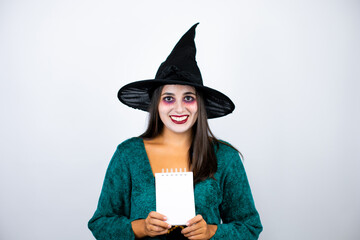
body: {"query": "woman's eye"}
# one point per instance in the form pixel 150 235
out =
pixel 189 99
pixel 168 99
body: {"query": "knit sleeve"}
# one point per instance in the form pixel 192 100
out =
pixel 111 218
pixel 240 218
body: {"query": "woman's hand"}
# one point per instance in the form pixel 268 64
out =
pixel 199 229
pixel 152 226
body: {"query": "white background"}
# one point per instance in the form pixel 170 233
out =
pixel 291 68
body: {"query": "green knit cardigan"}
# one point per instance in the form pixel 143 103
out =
pixel 128 193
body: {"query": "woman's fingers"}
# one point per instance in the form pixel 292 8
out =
pixel 155 224
pixel 194 230
pixel 194 220
pixel 193 224
pixel 193 234
pixel 157 219
pixel 197 228
pixel 157 216
pixel 158 225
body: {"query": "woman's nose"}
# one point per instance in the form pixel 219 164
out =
pixel 179 106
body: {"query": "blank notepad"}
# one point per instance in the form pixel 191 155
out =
pixel 175 196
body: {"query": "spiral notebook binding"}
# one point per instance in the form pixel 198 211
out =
pixel 173 172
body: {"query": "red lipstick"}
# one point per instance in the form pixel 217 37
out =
pixel 173 118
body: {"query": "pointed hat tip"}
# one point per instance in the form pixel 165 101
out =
pixel 192 30
pixel 190 34
pixel 195 25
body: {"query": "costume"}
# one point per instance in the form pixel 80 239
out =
pixel 128 194
pixel 128 191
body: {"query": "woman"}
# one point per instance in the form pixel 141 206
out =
pixel 178 136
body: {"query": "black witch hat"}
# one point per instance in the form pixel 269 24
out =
pixel 180 67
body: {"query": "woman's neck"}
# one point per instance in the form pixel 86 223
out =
pixel 170 138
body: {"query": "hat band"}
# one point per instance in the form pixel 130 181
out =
pixel 172 72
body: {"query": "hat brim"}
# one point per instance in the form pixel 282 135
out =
pixel 137 95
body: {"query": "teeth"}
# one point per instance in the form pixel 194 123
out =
pixel 179 118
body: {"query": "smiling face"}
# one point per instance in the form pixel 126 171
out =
pixel 178 108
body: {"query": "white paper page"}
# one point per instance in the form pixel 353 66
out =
pixel 175 196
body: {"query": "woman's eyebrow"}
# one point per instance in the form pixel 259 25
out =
pixel 189 93
pixel 168 93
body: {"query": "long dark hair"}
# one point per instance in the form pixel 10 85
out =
pixel 202 158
